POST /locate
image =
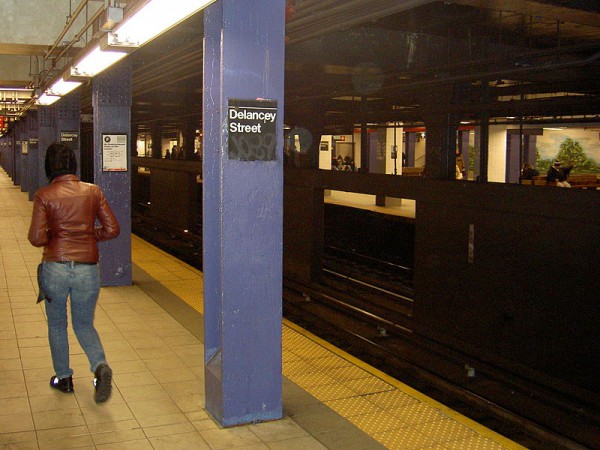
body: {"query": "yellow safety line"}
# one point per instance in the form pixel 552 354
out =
pixel 477 427
pixel 481 429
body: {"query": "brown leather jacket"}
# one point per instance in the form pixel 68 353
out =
pixel 64 220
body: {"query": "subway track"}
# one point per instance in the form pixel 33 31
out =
pixel 363 306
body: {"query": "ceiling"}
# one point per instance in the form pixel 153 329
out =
pixel 376 61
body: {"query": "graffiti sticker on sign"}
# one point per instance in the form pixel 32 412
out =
pixel 252 129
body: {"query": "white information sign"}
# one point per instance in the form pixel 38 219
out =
pixel 114 153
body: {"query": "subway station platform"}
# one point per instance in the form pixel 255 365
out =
pixel 152 333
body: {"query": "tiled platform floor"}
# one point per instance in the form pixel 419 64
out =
pixel 152 332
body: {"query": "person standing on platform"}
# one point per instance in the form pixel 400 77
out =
pixel 69 218
pixel 460 165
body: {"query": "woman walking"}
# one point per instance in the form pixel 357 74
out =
pixel 69 218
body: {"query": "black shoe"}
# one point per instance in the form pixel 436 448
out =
pixel 63 384
pixel 102 383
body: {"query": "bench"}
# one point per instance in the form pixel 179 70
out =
pixel 413 171
pixel 542 180
pixel 584 181
pixel 578 181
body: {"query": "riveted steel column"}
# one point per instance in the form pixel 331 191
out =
pixel 24 166
pixel 18 134
pixel 68 123
pixel 111 102
pixel 46 136
pixel 243 216
pixel 33 152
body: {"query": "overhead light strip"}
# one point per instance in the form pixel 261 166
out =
pixel 153 19
pixel 156 17
pixel 95 62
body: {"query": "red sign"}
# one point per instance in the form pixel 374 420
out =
pixel 2 121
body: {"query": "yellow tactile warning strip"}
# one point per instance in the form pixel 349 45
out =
pixel 389 411
pixel 177 276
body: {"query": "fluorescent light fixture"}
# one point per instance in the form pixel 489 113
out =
pixel 95 62
pixel 156 17
pixel 15 89
pixel 47 99
pixel 62 87
pixel 111 42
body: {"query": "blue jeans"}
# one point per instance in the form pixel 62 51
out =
pixel 82 282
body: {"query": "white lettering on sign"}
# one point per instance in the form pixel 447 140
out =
pixel 252 130
pixel 235 127
pixel 244 114
pixel 249 115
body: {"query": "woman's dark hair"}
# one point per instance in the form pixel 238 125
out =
pixel 60 160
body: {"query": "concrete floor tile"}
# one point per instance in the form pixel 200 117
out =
pixel 34 342
pixel 349 439
pixel 139 444
pixel 8 334
pixel 278 430
pixel 143 392
pixel 128 367
pixel 299 443
pixel 67 437
pixel 166 430
pixel 223 438
pixel 35 352
pixel 151 408
pixel 118 436
pixel 167 419
pixel 119 425
pixel 184 441
pixel 53 402
pixel 14 405
pixel 141 378
pixel 16 390
pixel 190 403
pixel 11 377
pixel 14 440
pixel 45 420
pixel 16 423
pixel 106 413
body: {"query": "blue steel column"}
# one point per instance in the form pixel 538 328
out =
pixel 24 167
pixel 18 156
pixel 68 118
pixel 34 152
pixel 409 148
pixel 463 144
pixel 46 136
pixel 111 102
pixel 243 216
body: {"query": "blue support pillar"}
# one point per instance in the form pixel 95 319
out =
pixel 46 136
pixel 463 145
pixel 24 167
pixel 243 211
pixel 18 135
pixel 33 152
pixel 68 124
pixel 111 102
pixel 409 148
pixel 513 157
